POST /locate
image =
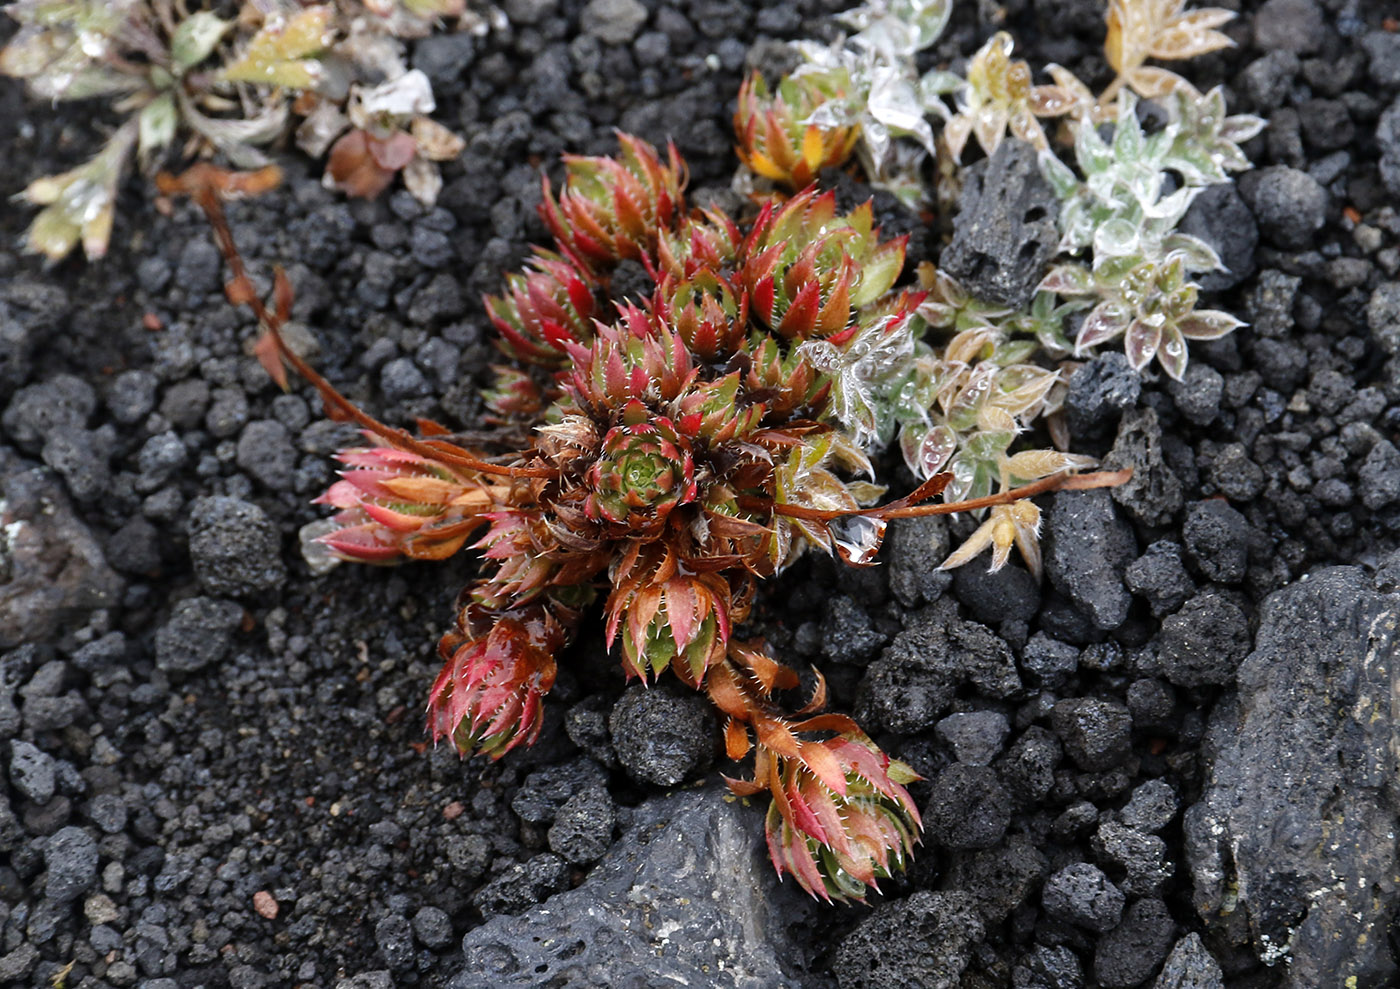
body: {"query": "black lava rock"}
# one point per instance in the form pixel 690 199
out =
pixel 680 859
pixel 583 826
pixel 1087 549
pixel 1048 661
pixel 1296 787
pixel 546 790
pixel 925 940
pixel 1005 231
pixel 1204 642
pixel 1151 807
pixel 1190 966
pixel 1028 768
pixel 235 547
pixel 1129 953
pixel 1290 205
pixel 1097 734
pixel 1100 391
pixel 1220 217
pixel 1153 494
pixel 71 857
pixel 432 927
pixel 523 885
pixel 1138 859
pixel 915 679
pixel 265 453
pixel 1289 25
pixel 661 738
pixel 1197 395
pixel 969 808
pixel 199 632
pixel 1159 576
pixel 914 548
pixel 1082 895
pixel 1217 540
pixel 36 411
pixel 976 737
pixel 1008 594
pixel 32 771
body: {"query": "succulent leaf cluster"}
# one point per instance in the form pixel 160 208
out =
pixel 959 396
pixel 684 448
pixel 231 86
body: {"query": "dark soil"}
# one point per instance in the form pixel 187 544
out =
pixel 215 763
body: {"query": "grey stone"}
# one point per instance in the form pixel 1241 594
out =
pixel 432 927
pixel 687 896
pixel 1151 807
pixel 80 458
pixel 132 395
pixel 16 966
pixel 199 632
pixel 61 402
pixel 1138 857
pixel 660 737
pixel 1190 966
pixel 394 937
pixel 265 453
pixel 925 940
pixel 1087 549
pixel 1100 391
pixel 976 737
pixel 1289 25
pixel 1379 476
pixel 1388 140
pixel 52 570
pixel 32 771
pixel 583 827
pixel 1005 230
pixel 614 22
pixel 235 547
pixel 71 857
pixel 1382 50
pixel 1298 787
pixel 1383 315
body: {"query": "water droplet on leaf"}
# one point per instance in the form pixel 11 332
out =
pixel 857 539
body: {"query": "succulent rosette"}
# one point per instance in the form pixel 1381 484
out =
pixel 669 454
pixel 644 470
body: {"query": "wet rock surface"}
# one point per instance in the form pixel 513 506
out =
pixel 684 895
pixel 1297 789
pixel 213 763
